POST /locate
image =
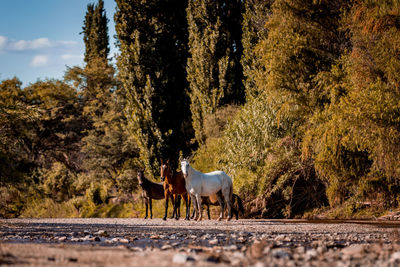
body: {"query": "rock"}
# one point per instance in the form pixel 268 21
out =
pixel 281 254
pixel 300 250
pixel 321 249
pixel 165 247
pixel 62 238
pixel 102 233
pixel 231 247
pixel 311 254
pixel 181 258
pixel 395 256
pixel 279 238
pixel 123 240
pixel 213 242
pixel 355 251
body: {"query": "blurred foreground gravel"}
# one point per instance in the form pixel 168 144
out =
pixel 139 242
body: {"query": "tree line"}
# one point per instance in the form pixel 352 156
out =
pixel 296 100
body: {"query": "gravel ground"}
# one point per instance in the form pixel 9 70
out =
pixel 139 242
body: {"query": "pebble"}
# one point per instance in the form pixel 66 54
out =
pixel 181 258
pixel 213 242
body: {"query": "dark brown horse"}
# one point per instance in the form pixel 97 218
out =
pixel 174 186
pixel 213 201
pixel 150 191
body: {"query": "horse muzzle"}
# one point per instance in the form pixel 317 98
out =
pixel 162 178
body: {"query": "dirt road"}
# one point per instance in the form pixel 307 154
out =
pixel 139 242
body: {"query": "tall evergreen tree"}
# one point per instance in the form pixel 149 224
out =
pixel 95 31
pixel 106 144
pixel 255 17
pixel 214 69
pixel 153 43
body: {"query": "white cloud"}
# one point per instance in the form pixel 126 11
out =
pixel 71 56
pixel 3 42
pixel 34 44
pixel 39 61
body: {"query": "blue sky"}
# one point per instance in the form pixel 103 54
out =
pixel 39 38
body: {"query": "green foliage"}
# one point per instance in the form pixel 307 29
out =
pixel 95 31
pixel 153 44
pixel 255 16
pixel 355 139
pixel 57 182
pixel 213 68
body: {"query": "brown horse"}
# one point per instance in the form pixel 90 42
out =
pixel 213 201
pixel 150 191
pixel 174 185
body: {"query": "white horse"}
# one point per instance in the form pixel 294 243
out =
pixel 200 184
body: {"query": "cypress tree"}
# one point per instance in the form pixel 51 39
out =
pixel 214 69
pixel 255 17
pixel 153 43
pixel 95 31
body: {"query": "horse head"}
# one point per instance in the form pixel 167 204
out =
pixel 140 177
pixel 165 171
pixel 185 167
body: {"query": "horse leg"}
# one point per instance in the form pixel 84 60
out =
pixel 221 204
pixel 195 207
pixel 187 204
pixel 146 202
pixel 208 211
pixel 227 198
pixel 234 210
pixel 151 208
pixel 166 205
pixel 178 208
pixel 198 197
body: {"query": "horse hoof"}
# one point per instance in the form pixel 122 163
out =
pixel 228 219
pixel 219 219
pixel 164 219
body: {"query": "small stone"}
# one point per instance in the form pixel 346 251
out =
pixel 395 256
pixel 63 238
pixel 280 238
pixel 321 249
pixel 102 233
pixel 213 242
pixel 355 251
pixel 300 250
pixel 311 254
pixel 123 240
pixel 281 254
pixel 231 247
pixel 97 239
pixel 165 247
pixel 181 258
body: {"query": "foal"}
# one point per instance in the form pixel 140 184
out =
pixel 150 191
pixel 213 201
pixel 174 185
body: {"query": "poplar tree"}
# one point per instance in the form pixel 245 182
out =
pixel 152 37
pixel 106 144
pixel 255 16
pixel 95 31
pixel 214 69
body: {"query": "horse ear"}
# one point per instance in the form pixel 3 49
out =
pixel 161 160
pixel 167 161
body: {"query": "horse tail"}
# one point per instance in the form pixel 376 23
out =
pixel 240 203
